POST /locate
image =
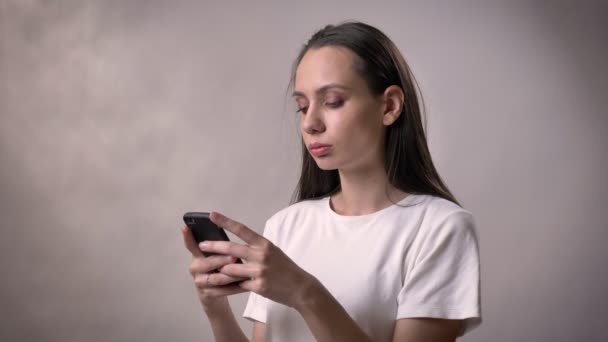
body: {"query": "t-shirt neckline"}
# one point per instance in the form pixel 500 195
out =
pixel 409 200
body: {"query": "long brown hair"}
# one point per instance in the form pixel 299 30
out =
pixel 407 159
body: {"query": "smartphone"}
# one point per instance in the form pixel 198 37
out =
pixel 204 229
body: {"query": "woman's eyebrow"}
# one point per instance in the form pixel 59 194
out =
pixel 322 89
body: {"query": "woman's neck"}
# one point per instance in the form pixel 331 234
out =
pixel 364 192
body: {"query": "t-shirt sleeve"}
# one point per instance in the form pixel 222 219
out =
pixel 257 305
pixel 442 272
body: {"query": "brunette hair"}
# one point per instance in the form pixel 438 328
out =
pixel 407 159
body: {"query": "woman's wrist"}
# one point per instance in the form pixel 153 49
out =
pixel 215 305
pixel 222 320
pixel 309 294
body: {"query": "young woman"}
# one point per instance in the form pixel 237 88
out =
pixel 375 247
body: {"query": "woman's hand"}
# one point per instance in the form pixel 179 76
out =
pixel 210 289
pixel 269 272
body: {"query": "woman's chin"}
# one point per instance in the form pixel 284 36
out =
pixel 326 165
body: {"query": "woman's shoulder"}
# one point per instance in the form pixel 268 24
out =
pixel 440 207
pixel 305 207
pixel 429 207
pixel 443 216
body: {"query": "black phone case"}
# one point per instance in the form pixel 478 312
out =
pixel 203 229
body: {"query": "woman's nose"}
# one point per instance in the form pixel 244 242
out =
pixel 312 121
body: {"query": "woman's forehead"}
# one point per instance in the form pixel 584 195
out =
pixel 326 65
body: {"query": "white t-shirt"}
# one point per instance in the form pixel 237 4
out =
pixel 419 258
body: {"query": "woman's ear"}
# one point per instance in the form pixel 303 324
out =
pixel 393 104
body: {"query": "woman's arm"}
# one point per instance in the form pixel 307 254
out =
pixel 259 332
pixel 214 299
pixel 426 330
pixel 326 318
pixel 328 321
pixel 272 274
pixel 326 325
pixel 223 323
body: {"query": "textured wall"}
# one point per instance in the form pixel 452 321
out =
pixel 118 116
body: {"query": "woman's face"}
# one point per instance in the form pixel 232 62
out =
pixel 337 111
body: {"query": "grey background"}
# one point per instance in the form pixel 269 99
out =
pixel 118 116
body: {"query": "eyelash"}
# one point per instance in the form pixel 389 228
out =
pixel 334 105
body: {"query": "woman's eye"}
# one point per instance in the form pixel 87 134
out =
pixel 335 104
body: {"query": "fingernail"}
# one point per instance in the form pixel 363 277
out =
pixel 203 245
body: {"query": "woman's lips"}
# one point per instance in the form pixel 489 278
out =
pixel 319 150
